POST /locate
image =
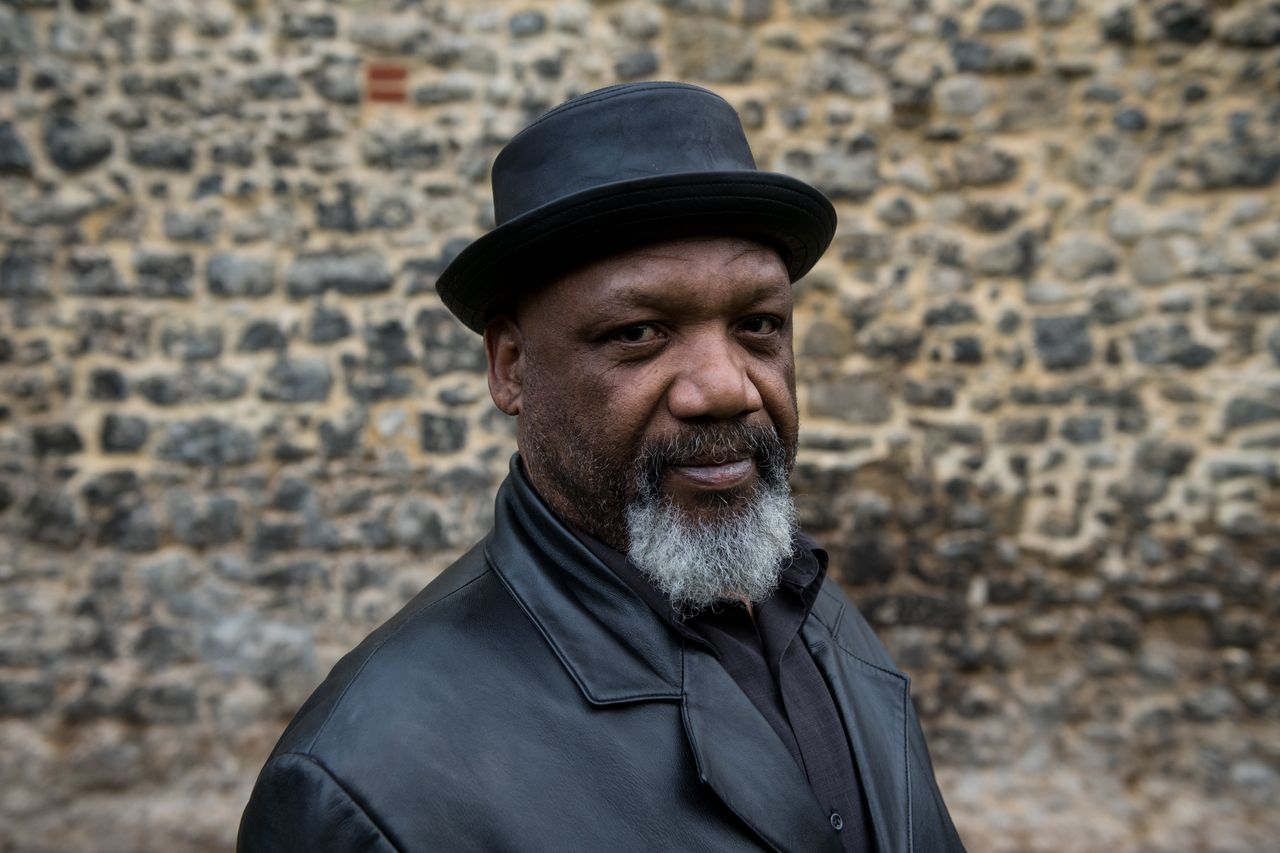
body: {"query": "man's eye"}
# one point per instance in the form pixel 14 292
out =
pixel 640 333
pixel 762 325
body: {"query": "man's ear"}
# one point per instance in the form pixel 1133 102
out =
pixel 504 348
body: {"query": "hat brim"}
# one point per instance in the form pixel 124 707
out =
pixel 524 253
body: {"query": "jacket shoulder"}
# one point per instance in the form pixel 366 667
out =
pixel 849 628
pixel 421 630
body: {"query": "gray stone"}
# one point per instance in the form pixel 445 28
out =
pixel 261 335
pixel 52 518
pixel 406 148
pixel 357 272
pixel 1249 411
pixel 984 58
pixel 441 433
pixel 300 26
pixel 14 157
pixel 935 395
pixel 1184 22
pixel 1118 26
pixel 951 314
pixel 56 439
pixel 239 276
pixel 854 399
pixel 1130 120
pixel 161 150
pixel 1255 25
pixel 1001 18
pixel 1017 257
pixel 1063 341
pixel 637 64
pixel 1273 344
pixel 123 433
pixel 1240 161
pixel 525 24
pixel 74 146
pixel 450 90
pixel 961 95
pixel 24 271
pixel 1081 257
pixel 447 345
pixel 897 212
pixel 204 522
pixel 93 274
pixel 1113 305
pixel 328 325
pixel 983 165
pixel 1170 344
pixel 200 226
pixel 304 380
pixel 272 86
pixel 164 275
pixel 26 696
pixel 1033 430
pixel 1107 161
pixel 339 83
pixel 417 525
pixel 161 704
pixel 106 383
pixel 710 50
pixel 1081 429
pixel 207 441
pixel 191 343
pixel 1055 13
pixel 886 341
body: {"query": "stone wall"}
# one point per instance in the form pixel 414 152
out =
pixel 1040 376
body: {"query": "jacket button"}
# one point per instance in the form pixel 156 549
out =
pixel 837 822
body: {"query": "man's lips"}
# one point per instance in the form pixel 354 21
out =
pixel 724 475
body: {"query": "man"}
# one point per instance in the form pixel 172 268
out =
pixel 644 653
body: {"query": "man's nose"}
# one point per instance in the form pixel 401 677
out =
pixel 714 380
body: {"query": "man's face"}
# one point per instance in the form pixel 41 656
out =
pixel 671 363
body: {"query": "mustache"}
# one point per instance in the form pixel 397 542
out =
pixel 715 444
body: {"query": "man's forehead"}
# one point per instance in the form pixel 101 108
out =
pixel 676 267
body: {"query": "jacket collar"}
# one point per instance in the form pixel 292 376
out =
pixel 618 651
pixel 609 640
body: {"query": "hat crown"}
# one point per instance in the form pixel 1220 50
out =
pixel 621 133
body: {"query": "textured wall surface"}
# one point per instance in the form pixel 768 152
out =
pixel 1039 372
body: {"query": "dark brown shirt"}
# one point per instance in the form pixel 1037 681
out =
pixel 768 660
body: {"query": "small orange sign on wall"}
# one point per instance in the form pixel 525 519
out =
pixel 386 82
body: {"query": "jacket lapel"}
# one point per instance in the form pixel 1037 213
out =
pixel 741 758
pixel 873 705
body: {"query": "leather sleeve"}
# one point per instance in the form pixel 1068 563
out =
pixel 297 805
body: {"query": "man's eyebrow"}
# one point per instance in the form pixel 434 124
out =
pixel 641 296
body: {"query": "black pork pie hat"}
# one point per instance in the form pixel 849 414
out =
pixel 618 168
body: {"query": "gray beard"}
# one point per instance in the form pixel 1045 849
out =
pixel 697 564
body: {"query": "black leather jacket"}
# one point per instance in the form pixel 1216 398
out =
pixel 526 700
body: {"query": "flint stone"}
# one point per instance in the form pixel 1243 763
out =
pixel 1023 430
pixel 1081 429
pixel 1007 58
pixel 923 610
pixel 191 343
pixel 1001 18
pixel 899 343
pixel 14 157
pixel 441 433
pixel 52 518
pixel 854 399
pixel 711 50
pixel 74 146
pixel 1055 13
pixel 387 345
pixel 404 149
pixel 1017 257
pixel 951 314
pixel 305 380
pixel 171 389
pixel 123 433
pixel 300 26
pixel 339 83
pixel 207 442
pixel 94 275
pixel 1078 258
pixel 1063 341
pixel 1238 162
pixel 452 89
pixel 640 63
pixel 204 523
pixel 1113 305
pixel 447 345
pixel 1171 344
pixel 24 271
pixel 355 273
pixel 981 165
pixel 1254 25
pixel 961 95
pixel 195 227
pixel 166 151
pixel 107 383
pixel 1119 27
pixel 417 525
pixel 26 697
pixel 328 325
pixel 164 275
pixel 1184 22
pixel 340 438
pixel 55 439
pixel 236 276
pixel 525 24
pixel 937 395
pixel 162 704
pixel 1107 161
pixel 262 335
pixel 1247 411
